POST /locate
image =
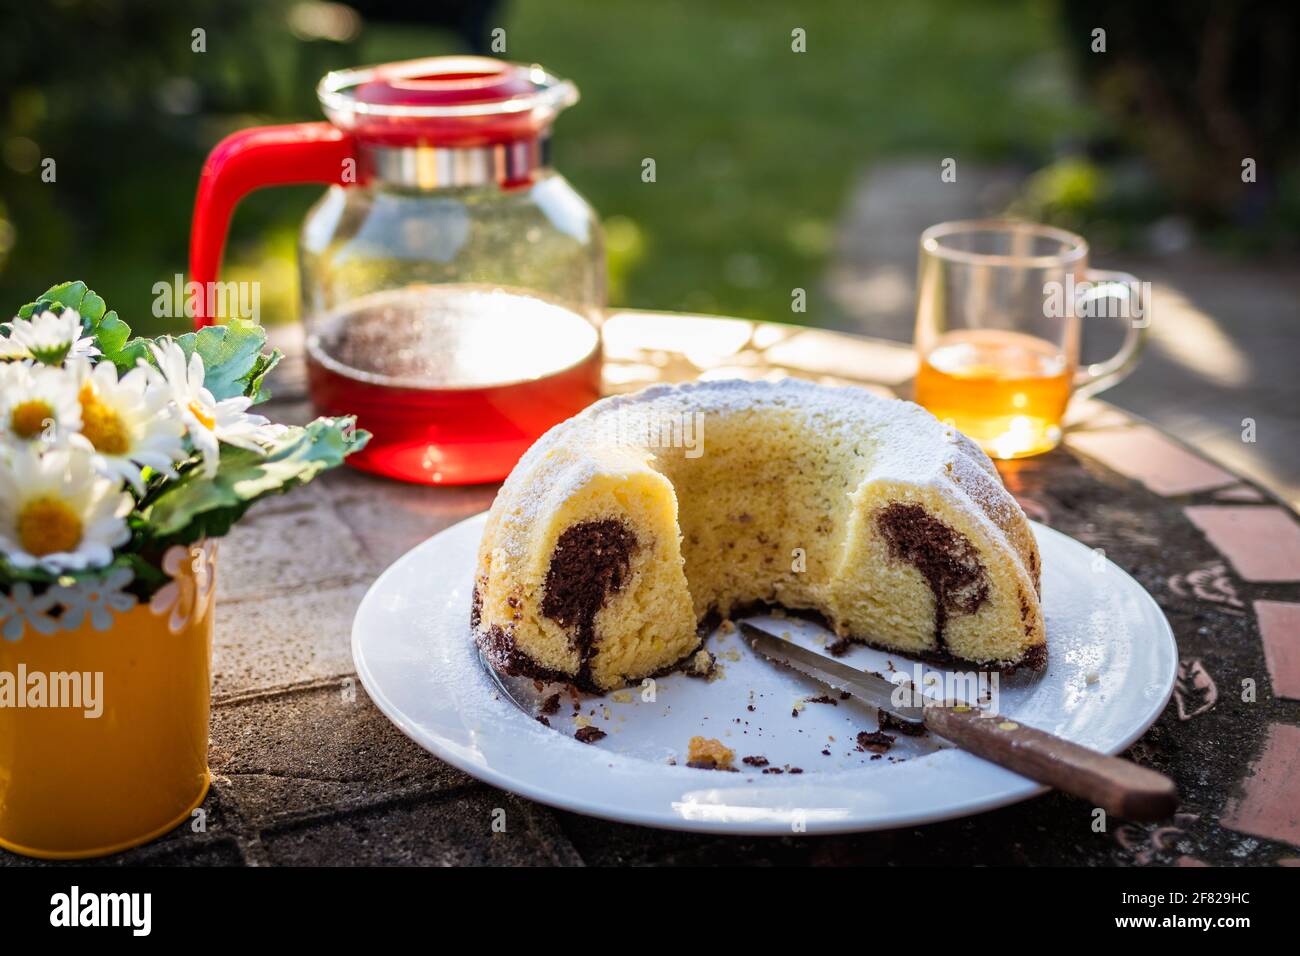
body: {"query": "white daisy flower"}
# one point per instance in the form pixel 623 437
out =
pixel 48 338
pixel 129 422
pixel 10 349
pixel 38 404
pixel 57 512
pixel 207 420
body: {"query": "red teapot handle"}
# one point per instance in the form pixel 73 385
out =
pixel 251 159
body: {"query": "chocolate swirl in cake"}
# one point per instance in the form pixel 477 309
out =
pixel 945 558
pixel 590 562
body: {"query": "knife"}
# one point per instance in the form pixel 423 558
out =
pixel 1120 787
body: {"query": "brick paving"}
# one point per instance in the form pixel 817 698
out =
pixel 1267 806
pixel 1160 463
pixel 1279 625
pixel 307 771
pixel 1262 544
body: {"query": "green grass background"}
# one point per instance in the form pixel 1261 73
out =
pixel 756 147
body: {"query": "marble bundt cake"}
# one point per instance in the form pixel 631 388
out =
pixel 624 528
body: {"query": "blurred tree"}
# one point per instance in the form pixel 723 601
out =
pixel 124 97
pixel 1199 87
pixel 471 21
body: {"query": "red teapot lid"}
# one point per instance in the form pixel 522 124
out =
pixel 445 101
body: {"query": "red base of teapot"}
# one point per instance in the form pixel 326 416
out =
pixel 452 436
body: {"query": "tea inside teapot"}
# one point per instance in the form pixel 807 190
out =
pixel 454 381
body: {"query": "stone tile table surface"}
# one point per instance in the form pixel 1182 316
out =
pixel 307 771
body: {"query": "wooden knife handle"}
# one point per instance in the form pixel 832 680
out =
pixel 1120 787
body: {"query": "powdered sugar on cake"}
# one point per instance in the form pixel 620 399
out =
pixel 907 442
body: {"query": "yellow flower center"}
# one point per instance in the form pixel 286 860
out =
pixel 48 525
pixel 28 418
pixel 201 413
pixel 103 426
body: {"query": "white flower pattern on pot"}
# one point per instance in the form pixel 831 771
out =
pixel 186 596
pixel 20 608
pixel 96 598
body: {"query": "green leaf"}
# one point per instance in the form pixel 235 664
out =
pixel 194 506
pixel 91 309
pixel 66 294
pixel 254 386
pixel 232 358
pixel 111 333
pixel 127 355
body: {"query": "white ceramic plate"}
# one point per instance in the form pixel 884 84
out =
pixel 1111 668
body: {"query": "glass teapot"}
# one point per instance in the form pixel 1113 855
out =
pixel 452 283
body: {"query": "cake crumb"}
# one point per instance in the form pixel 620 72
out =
pixel 552 704
pixel 877 742
pixel 755 761
pixel 727 626
pixel 703 664
pixel 840 647
pixel 706 753
pixel 589 734
pixel 621 697
pixel 1093 677
pixel 899 726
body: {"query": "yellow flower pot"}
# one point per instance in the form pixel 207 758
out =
pixel 104 712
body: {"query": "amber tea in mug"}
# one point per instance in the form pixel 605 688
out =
pixel 998 328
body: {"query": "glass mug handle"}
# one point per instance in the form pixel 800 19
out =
pixel 1099 376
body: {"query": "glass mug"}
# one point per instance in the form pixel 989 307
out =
pixel 998 326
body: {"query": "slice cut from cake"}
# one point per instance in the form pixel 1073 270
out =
pixel 627 527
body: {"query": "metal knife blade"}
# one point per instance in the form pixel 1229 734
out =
pixel 1116 785
pixel 869 688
